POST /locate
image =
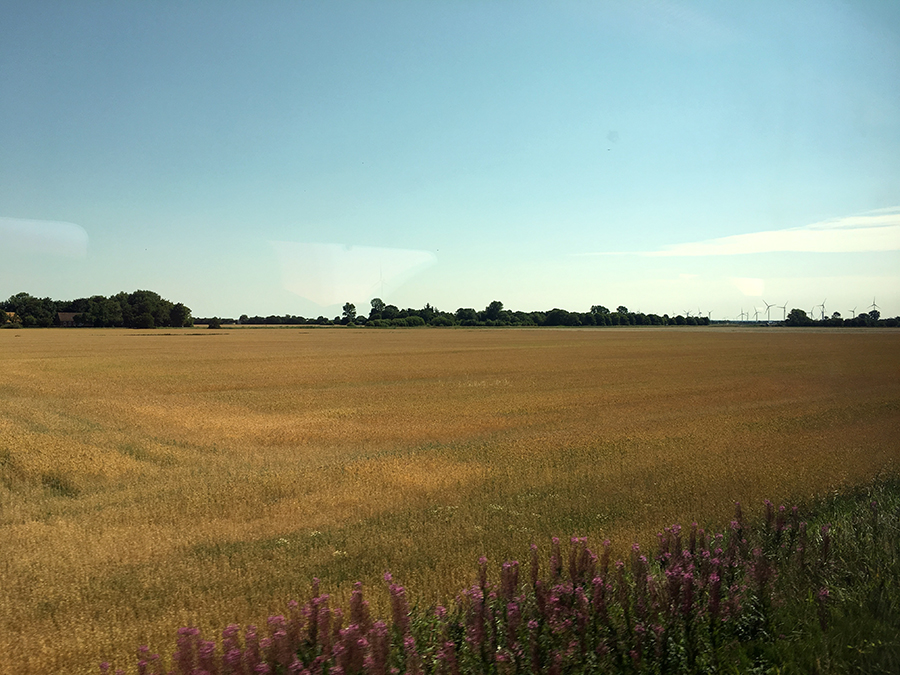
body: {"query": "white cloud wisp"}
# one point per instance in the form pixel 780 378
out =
pixel 877 231
pixel 45 237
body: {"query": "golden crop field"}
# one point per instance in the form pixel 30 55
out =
pixel 154 479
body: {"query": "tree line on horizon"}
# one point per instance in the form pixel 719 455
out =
pixel 140 309
pixel 383 315
pixel 798 317
pixel 147 309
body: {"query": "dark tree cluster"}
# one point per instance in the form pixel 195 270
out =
pixel 872 319
pixel 382 315
pixel 140 309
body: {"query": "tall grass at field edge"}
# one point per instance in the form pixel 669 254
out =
pixel 814 589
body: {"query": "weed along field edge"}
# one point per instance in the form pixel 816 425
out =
pixel 155 479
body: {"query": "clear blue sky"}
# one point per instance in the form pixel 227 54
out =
pixel 286 157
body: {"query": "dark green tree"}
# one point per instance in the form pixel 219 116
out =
pixel 33 312
pixel 377 308
pixel 467 316
pixel 349 312
pixel 180 315
pixel 797 317
pixel 427 312
pixel 561 317
pixel 492 311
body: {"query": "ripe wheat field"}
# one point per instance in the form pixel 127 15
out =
pixel 150 480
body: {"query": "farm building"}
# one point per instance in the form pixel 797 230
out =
pixel 67 319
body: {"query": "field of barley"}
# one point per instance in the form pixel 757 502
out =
pixel 154 479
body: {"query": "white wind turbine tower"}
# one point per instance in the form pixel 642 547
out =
pixel 873 305
pixel 756 314
pixel 854 312
pixel 783 310
pixel 768 307
pixel 823 308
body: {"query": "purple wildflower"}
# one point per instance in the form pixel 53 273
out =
pixel 555 559
pixel 509 579
pixel 413 663
pixel 513 619
pixel 823 596
pixel 399 608
pixel 781 519
pixel 687 594
pixel 359 608
pixel 380 642
pixel 447 659
pixel 715 588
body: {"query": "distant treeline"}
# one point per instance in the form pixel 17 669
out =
pixel 146 309
pixel 798 317
pixel 383 315
pixel 141 309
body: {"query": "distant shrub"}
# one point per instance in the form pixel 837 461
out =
pixel 441 321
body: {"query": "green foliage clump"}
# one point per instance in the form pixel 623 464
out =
pixel 140 309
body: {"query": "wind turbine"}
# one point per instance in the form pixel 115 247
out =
pixel 783 311
pixel 854 312
pixel 823 309
pixel 768 307
pixel 756 314
pixel 873 305
pixel 687 313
